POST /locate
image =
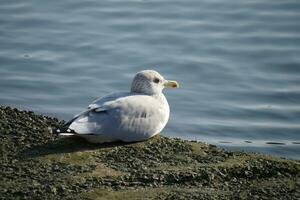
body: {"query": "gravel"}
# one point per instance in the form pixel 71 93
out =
pixel 38 165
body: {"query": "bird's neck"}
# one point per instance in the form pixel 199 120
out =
pixel 161 98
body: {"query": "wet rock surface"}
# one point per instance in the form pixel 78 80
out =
pixel 38 165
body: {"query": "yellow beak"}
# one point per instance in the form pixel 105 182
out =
pixel 171 84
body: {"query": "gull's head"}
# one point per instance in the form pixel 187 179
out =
pixel 151 82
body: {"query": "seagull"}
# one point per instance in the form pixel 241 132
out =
pixel 125 116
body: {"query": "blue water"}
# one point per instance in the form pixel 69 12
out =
pixel 238 63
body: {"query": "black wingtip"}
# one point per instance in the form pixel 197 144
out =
pixel 54 131
pixel 57 131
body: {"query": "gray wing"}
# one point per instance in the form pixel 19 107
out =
pixel 125 117
pixel 99 102
pixel 83 120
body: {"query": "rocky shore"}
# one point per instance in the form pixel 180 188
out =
pixel 38 165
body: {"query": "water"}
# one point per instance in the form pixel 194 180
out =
pixel 238 63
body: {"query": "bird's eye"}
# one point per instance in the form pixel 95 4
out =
pixel 156 80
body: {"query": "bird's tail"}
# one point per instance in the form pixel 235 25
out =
pixel 63 131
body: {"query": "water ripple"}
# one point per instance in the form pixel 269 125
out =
pixel 238 63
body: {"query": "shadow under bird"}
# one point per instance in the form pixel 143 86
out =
pixel 125 116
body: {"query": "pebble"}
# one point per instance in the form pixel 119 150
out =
pixel 159 162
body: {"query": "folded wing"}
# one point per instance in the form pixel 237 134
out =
pixel 124 117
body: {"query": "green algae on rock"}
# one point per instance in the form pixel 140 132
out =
pixel 37 165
